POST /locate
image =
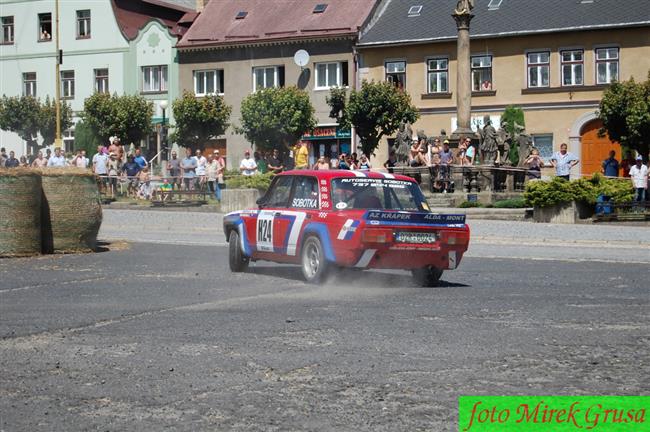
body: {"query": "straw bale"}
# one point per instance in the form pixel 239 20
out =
pixel 20 212
pixel 72 212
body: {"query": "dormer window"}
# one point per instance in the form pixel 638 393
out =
pixel 320 8
pixel 241 15
pixel 415 11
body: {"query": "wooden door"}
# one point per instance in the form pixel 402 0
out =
pixel 595 149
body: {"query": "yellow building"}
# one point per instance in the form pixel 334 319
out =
pixel 552 58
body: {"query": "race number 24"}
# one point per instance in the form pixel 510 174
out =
pixel 265 233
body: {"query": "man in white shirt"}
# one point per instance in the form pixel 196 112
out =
pixel 248 167
pixel 201 165
pixel 57 160
pixel 100 166
pixel 80 160
pixel 639 176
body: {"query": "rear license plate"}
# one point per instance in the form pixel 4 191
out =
pixel 416 237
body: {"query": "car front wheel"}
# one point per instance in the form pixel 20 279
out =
pixel 314 265
pixel 236 259
pixel 428 276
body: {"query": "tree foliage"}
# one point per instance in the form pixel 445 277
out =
pixel 199 119
pixel 27 117
pixel 625 112
pixel 48 120
pixel 127 117
pixel 276 117
pixel 376 110
pixel 513 114
pixel 86 138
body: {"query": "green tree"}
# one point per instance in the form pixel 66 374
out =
pixel 199 119
pixel 21 115
pixel 47 122
pixel 376 110
pixel 513 115
pixel 625 112
pixel 276 117
pixel 127 117
pixel 85 138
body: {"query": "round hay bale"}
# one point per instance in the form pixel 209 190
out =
pixel 72 212
pixel 20 212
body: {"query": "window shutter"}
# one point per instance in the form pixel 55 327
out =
pixel 221 81
pixel 344 74
pixel 281 76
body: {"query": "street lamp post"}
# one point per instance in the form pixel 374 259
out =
pixel 162 137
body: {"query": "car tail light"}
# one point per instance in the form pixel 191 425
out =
pixel 456 238
pixel 377 236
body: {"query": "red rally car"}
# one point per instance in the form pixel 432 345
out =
pixel 323 219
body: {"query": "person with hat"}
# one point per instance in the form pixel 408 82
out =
pixel 114 168
pixel 446 159
pixel 639 177
pixel 248 167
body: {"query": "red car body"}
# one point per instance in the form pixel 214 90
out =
pixel 361 219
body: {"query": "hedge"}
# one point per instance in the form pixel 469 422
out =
pixel 585 190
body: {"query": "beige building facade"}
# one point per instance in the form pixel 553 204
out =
pixel 239 70
pixel 557 78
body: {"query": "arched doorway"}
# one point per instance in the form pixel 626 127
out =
pixel 595 149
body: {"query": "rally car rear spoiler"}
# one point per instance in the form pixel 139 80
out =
pixel 376 217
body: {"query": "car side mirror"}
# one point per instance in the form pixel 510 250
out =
pixel 260 202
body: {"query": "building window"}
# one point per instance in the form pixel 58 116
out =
pixel 572 67
pixel 606 65
pixel 438 76
pixel 101 80
pixel 208 82
pixel 331 75
pixel 268 77
pixel 538 69
pixel 83 24
pixel 396 73
pixel 154 78
pixel 67 84
pixel 7 29
pixel 45 27
pixel 29 84
pixel 544 143
pixel 481 73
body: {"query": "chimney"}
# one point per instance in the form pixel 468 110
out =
pixel 200 5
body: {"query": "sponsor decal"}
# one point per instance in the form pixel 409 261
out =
pixel 341 206
pixel 348 229
pixel 375 182
pixel 420 218
pixel 309 203
pixel 265 231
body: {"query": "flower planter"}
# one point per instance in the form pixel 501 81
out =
pixel 565 213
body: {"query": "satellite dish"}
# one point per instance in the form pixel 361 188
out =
pixel 301 58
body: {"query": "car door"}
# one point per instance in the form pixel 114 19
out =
pixel 271 224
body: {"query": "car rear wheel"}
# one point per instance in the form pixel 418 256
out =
pixel 314 265
pixel 236 259
pixel 428 276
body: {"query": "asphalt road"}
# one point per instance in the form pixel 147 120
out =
pixel 160 336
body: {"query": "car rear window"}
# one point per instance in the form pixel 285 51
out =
pixel 382 194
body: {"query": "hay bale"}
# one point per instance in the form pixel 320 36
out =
pixel 20 212
pixel 72 212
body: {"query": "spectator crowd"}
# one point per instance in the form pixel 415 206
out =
pixel 198 172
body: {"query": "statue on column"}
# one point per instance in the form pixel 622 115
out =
pixel 488 144
pixel 403 143
pixel 524 143
pixel 464 7
pixel 503 144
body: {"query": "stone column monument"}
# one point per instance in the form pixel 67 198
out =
pixel 463 15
